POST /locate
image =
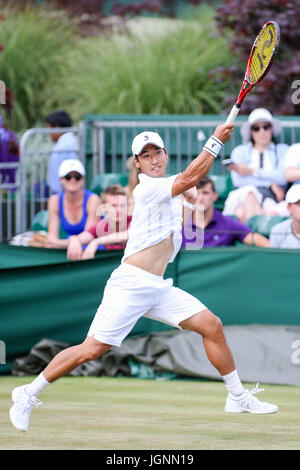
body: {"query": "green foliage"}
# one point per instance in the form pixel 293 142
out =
pixel 241 22
pixel 35 53
pixel 165 73
pixel 161 69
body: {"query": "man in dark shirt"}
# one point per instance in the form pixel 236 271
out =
pixel 219 230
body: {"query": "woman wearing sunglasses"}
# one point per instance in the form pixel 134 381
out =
pixel 74 209
pixel 257 169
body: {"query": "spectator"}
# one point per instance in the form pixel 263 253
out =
pixel 66 147
pixel 219 230
pixel 9 152
pixel 287 233
pixel 75 209
pixel 110 233
pixel 258 169
pixel 292 164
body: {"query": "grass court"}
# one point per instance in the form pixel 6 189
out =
pixel 101 413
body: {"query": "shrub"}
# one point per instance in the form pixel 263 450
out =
pixel 36 48
pixel 166 72
pixel 241 21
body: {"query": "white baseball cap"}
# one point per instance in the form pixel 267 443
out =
pixel 144 138
pixel 260 114
pixel 70 165
pixel 293 194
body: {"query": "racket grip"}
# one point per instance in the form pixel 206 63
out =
pixel 233 114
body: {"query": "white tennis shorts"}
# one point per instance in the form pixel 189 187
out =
pixel 132 293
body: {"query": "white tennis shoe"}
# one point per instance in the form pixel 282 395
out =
pixel 22 407
pixel 247 403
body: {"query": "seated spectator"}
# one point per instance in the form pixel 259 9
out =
pixel 258 170
pixel 9 152
pixel 287 233
pixel 66 147
pixel 219 230
pixel 75 209
pixel 110 232
pixel 292 164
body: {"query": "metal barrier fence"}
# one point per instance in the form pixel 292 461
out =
pixel 111 141
pixel 183 140
pixel 21 200
pixel 104 146
pixel 10 203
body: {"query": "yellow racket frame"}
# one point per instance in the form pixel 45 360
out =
pixel 262 52
pixel 260 60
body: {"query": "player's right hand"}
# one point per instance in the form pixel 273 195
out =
pixel 223 132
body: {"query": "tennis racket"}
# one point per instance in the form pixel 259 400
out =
pixel 260 60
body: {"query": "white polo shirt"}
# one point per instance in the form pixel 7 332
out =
pixel 283 236
pixel 156 215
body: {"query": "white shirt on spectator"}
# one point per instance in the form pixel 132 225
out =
pixel 283 236
pixel 273 168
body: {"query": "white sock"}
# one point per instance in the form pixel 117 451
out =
pixel 233 383
pixel 39 383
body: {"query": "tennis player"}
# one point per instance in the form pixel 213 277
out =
pixel 137 287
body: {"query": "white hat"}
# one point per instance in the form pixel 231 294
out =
pixel 70 165
pixel 259 115
pixel 145 138
pixel 293 194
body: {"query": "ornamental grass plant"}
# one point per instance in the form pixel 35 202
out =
pixel 155 66
pixel 168 71
pixel 36 47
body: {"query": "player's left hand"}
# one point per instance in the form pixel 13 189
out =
pixel 191 195
pixel 223 132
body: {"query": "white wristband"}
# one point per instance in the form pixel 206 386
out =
pixel 213 146
pixel 189 205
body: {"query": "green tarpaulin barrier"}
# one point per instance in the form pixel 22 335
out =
pixel 43 295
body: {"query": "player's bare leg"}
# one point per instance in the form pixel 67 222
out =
pixel 209 326
pixel 25 397
pixel 218 352
pixel 70 358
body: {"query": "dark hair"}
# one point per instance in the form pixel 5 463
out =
pixel 59 119
pixel 205 181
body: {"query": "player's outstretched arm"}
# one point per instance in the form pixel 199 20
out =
pixel 200 166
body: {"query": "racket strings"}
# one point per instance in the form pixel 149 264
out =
pixel 264 49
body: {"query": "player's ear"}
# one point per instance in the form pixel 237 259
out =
pixel 136 162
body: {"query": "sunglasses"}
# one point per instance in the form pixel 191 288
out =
pixel 266 127
pixel 77 176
